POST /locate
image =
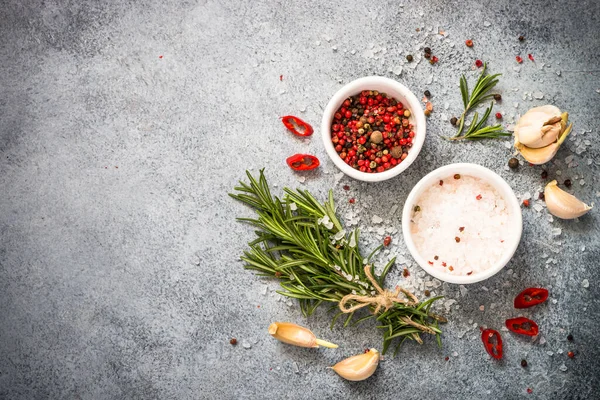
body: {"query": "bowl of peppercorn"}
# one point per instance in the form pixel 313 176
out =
pixel 373 128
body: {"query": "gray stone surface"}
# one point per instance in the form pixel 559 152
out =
pixel 119 269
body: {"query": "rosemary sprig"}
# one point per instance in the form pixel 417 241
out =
pixel 477 130
pixel 302 243
pixel 480 93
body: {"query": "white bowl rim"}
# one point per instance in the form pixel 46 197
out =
pixel 477 171
pixel 355 87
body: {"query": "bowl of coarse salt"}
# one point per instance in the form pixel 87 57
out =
pixel 462 223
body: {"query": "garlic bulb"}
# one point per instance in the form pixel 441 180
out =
pixel 562 204
pixel 540 132
pixel 297 335
pixel 359 367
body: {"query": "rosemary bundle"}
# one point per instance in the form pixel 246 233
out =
pixel 478 128
pixel 302 243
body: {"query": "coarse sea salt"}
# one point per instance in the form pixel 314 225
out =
pixel 461 226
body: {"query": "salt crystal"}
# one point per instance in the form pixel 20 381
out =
pixel 353 52
pixel 264 291
pixel 526 196
pixel 518 69
pixel 454 354
pixel 582 182
pixel 504 328
pixel 538 207
pixel 397 70
pixel 381 231
pixel 301 179
pixel 437 283
pixel 542 340
pixel 303 109
pixel 334 48
pixel 376 219
pixel 393 209
pixel 487 23
pixel 556 231
pixel 296 369
pixel 585 283
pixel 293 206
pixel 485 289
pixel 582 248
pixel 516 105
pixel 446 105
pixel 558 172
pixel 563 368
pixel 463 290
pixel 550 353
pixel 246 344
pixel 569 159
pixel 558 72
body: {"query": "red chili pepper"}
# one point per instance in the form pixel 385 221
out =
pixel 293 123
pixel 522 326
pixel 530 297
pixel 492 343
pixel 302 162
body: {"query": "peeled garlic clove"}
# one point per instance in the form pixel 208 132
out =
pixel 562 204
pixel 297 335
pixel 532 128
pixel 359 367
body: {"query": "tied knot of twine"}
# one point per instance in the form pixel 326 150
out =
pixel 383 299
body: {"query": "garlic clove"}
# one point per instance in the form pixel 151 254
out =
pixel 531 129
pixel 562 204
pixel 544 154
pixel 359 367
pixel 296 335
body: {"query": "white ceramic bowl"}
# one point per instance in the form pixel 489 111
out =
pixel 393 89
pixel 477 171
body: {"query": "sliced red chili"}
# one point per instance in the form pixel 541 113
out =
pixel 522 326
pixel 297 126
pixel 530 297
pixel 302 162
pixel 492 342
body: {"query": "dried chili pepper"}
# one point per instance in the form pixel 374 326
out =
pixel 530 297
pixel 522 326
pixel 297 126
pixel 492 343
pixel 302 162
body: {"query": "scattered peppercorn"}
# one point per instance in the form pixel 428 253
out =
pixel 570 338
pixel 529 390
pixel 462 228
pixel 521 38
pixel 523 363
pixel 519 59
pixel 497 97
pixel 456 176
pixel 544 174
pixel 441 182
pixel 526 203
pixel 409 58
pixel 568 183
pixel 427 93
pixel 447 358
pixel 277 274
pixel 436 258
pixel 427 55
pixel 433 60
pixel 513 163
pixel 571 354
pixel 542 196
pixel 478 63
pixel 427 293
pixel 233 341
pixel 352 201
pixel 417 208
pixel 405 273
pixel 498 115
pixel 346 187
pixel 457 239
pixel 453 120
pixel 427 50
pixel 427 113
pixel 530 56
pixel 469 43
pixel 387 241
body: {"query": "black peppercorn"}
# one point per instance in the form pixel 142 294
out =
pixel 513 163
pixel 233 341
pixel 521 38
pixel 568 183
pixel 544 174
pixel 542 196
pixel 570 338
pixel 427 293
pixel 453 120
pixel 497 97
pixel 427 93
pixel 427 50
pixel 523 363
pixel 427 55
pixel 409 58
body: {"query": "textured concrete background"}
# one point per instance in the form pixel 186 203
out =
pixel 119 271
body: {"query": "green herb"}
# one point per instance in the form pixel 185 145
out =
pixel 480 93
pixel 302 243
